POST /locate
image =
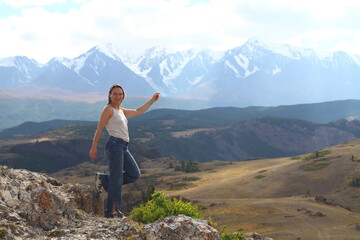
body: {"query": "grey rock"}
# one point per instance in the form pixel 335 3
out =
pixel 255 236
pixel 180 227
pixel 13 203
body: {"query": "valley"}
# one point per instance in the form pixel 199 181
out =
pixel 276 197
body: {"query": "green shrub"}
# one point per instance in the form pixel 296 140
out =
pixel 316 154
pixel 354 159
pixel 355 182
pixel 190 179
pixel 232 236
pixel 313 166
pixel 3 232
pixel 160 207
pixel 188 167
pixel 259 176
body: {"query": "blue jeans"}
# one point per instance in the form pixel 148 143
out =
pixel 123 169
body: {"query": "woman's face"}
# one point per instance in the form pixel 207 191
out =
pixel 116 95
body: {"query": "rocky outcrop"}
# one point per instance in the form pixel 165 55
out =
pixel 36 206
pixel 34 198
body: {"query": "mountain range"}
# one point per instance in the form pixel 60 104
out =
pixel 256 73
pixel 189 136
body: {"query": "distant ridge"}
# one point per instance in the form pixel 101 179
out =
pixel 29 128
pixel 17 111
pixel 324 112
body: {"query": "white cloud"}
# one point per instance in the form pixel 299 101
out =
pixel 136 25
pixel 27 3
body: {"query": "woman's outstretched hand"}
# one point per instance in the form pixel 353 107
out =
pixel 155 97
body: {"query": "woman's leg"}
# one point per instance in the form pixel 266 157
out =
pixel 131 169
pixel 116 161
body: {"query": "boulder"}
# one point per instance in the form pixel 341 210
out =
pixel 180 227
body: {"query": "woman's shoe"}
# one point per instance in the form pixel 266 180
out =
pixel 117 214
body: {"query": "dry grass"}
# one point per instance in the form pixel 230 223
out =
pixel 279 204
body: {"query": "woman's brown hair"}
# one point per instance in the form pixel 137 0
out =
pixel 111 88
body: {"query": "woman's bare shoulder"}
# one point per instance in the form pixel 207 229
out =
pixel 107 109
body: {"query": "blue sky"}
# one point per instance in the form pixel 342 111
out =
pixel 42 29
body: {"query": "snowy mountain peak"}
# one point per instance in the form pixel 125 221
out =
pixel 340 58
pixel 110 50
pixel 17 61
pixel 156 52
pixel 253 46
pixel 27 67
pixel 57 61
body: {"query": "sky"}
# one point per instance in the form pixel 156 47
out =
pixel 43 29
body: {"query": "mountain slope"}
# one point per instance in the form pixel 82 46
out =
pixel 283 199
pixel 258 138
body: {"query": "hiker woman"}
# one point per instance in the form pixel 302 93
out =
pixel 122 166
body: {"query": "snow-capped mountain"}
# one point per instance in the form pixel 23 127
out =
pixel 259 74
pixel 16 71
pixel 174 73
pixel 103 66
pixel 56 75
pixel 255 73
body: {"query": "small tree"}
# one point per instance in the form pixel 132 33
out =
pixel 147 194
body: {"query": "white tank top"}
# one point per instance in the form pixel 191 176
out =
pixel 117 125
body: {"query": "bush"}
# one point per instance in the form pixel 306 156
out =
pixel 160 207
pixel 187 166
pixel 316 154
pixel 232 236
pixel 355 182
pixel 3 232
pixel 313 166
pixel 190 179
pixel 259 176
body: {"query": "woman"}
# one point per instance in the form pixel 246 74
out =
pixel 122 166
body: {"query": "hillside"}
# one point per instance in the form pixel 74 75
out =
pixel 168 136
pixel 257 138
pixel 305 197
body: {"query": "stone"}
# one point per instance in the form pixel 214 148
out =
pixel 180 227
pixel 255 236
pixel 13 203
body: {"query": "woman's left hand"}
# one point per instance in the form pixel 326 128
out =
pixel 155 97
